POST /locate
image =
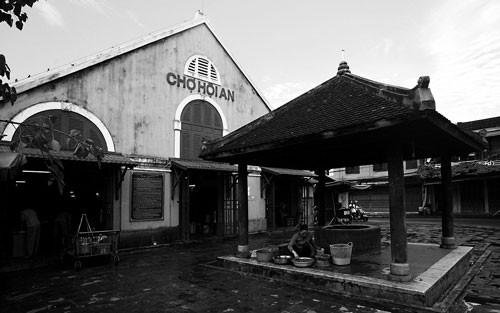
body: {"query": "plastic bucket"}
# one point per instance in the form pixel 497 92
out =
pixel 267 254
pixel 341 253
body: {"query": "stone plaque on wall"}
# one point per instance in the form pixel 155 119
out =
pixel 147 197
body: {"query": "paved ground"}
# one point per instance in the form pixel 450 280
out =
pixel 169 279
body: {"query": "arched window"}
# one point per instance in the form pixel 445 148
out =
pixel 201 67
pixel 65 121
pixel 200 121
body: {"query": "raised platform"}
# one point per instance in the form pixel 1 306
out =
pixel 435 272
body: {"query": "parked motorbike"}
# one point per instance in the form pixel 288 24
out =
pixel 357 213
pixel 342 217
pixel 360 215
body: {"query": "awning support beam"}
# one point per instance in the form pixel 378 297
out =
pixel 265 182
pixel 178 174
pixel 119 185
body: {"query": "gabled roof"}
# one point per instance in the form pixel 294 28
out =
pixel 347 120
pixel 113 52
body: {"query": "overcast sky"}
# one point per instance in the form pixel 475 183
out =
pixel 287 47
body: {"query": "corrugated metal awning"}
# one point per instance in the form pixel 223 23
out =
pixel 109 157
pixel 288 171
pixel 201 165
pixel 10 162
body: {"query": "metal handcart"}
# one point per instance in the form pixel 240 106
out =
pixel 88 244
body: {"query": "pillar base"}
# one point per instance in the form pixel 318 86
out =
pixel 400 272
pixel 448 243
pixel 243 252
pixel 398 278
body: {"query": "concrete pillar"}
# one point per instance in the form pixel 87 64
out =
pixel 243 211
pixel 447 240
pixel 319 197
pixel 400 269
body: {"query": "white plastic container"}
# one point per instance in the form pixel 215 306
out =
pixel 341 253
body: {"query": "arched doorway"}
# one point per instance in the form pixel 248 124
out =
pixel 87 189
pixel 202 190
pixel 200 121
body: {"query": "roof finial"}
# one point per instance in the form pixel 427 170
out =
pixel 198 14
pixel 343 67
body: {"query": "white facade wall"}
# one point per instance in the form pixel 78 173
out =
pixel 139 108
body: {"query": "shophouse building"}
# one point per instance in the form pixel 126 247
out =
pixel 475 179
pixel 368 185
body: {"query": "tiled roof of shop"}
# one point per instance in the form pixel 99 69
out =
pixel 186 164
pixel 288 171
pixel 480 124
pixel 109 157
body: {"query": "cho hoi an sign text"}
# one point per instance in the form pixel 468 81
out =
pixel 200 86
pixel 147 197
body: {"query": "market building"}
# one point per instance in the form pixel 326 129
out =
pixel 150 104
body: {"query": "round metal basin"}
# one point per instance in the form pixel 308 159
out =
pixel 365 238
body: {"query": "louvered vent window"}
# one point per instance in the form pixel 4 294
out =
pixel 202 68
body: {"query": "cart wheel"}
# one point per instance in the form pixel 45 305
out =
pixel 78 265
pixel 116 259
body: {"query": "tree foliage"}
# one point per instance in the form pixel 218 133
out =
pixel 12 13
pixel 41 135
pixel 13 9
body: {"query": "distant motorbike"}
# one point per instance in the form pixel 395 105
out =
pixel 358 214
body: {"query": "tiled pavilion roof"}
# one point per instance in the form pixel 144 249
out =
pixel 347 120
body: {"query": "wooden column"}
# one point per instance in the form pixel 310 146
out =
pixel 8 214
pixel 243 211
pixel 447 240
pixel 319 197
pixel 219 226
pixel 272 207
pixel 400 269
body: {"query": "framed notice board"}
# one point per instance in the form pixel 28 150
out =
pixel 147 197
